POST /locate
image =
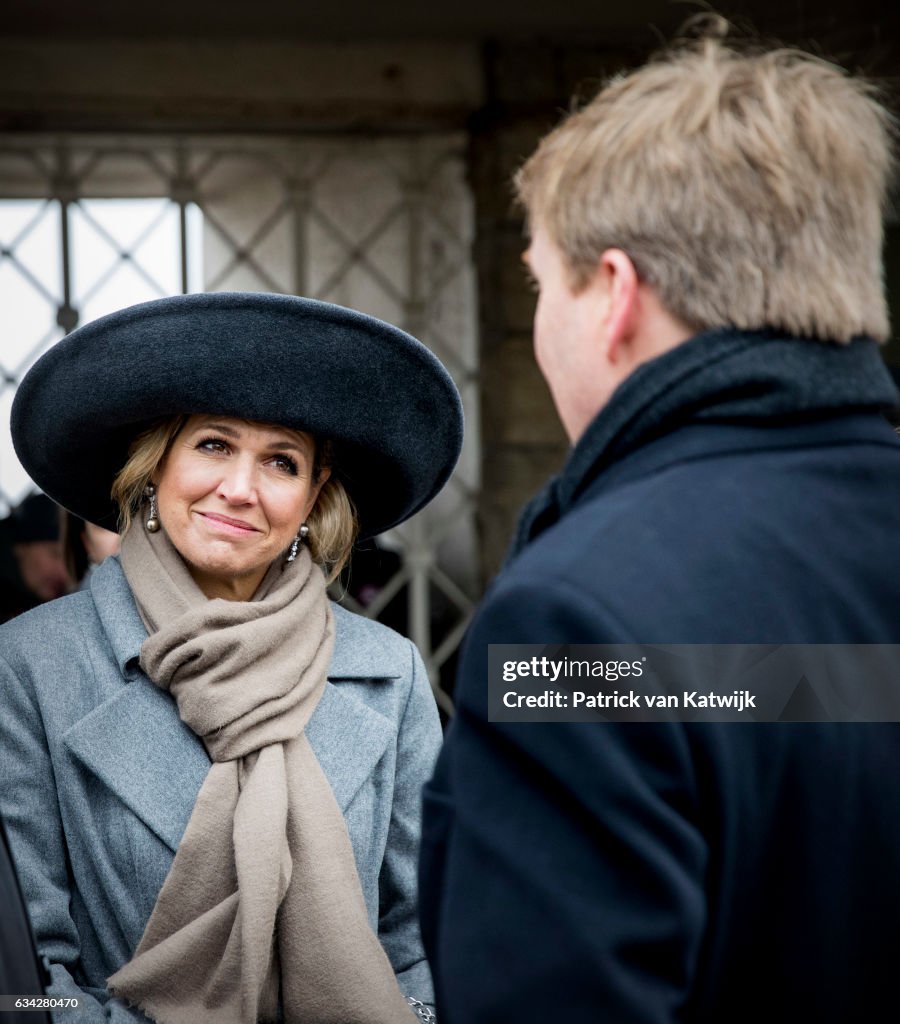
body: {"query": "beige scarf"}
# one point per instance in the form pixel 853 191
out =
pixel 263 887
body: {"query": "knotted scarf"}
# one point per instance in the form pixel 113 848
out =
pixel 263 895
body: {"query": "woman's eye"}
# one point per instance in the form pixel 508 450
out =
pixel 285 463
pixel 212 444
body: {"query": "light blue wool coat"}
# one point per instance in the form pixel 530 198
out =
pixel 98 778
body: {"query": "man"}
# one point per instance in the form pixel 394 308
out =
pixel 706 237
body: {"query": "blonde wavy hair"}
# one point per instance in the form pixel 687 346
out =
pixel 747 187
pixel 333 524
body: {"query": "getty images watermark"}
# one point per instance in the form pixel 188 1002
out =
pixel 694 682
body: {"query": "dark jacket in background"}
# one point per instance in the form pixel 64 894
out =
pixel 21 973
pixel 740 489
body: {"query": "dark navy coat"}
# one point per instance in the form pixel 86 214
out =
pixel 646 874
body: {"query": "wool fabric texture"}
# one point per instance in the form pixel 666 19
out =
pixel 263 895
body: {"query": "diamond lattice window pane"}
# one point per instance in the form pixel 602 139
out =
pixel 123 288
pixel 248 241
pixel 123 252
pixel 39 251
pixel 27 319
pixel 15 216
pixel 29 289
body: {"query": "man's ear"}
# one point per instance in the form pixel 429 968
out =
pixel 620 281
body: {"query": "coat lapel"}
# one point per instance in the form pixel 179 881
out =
pixel 139 748
pixel 348 736
pixel 136 744
pixel 349 739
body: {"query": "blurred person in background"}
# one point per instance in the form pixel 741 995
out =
pixel 32 564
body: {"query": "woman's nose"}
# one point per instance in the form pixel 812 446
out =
pixel 238 483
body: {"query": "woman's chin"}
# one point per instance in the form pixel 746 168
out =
pixel 224 573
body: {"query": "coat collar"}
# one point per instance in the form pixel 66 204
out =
pixel 754 379
pixel 359 650
pixel 135 743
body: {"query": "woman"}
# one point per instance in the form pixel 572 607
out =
pixel 211 774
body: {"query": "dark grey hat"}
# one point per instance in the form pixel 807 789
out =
pixel 385 401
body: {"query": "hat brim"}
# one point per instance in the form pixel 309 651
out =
pixel 385 401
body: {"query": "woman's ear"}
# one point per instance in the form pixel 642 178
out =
pixel 324 474
pixel 157 473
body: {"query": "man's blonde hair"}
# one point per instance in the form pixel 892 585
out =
pixel 333 524
pixel 748 188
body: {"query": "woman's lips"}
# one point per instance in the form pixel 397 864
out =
pixel 229 525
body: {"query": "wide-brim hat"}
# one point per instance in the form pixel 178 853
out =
pixel 385 401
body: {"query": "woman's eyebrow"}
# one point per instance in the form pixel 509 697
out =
pixel 280 445
pixel 220 428
pixel 299 445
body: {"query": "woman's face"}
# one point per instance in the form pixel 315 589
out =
pixel 232 495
